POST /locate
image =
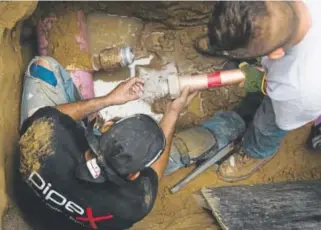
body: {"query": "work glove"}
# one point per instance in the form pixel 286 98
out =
pixel 254 86
pixel 254 78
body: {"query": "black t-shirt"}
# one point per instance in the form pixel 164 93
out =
pixel 56 198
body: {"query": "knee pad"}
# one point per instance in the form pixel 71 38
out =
pixel 189 146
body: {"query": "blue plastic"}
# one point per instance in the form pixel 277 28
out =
pixel 37 71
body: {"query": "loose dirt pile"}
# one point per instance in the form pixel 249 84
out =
pixel 65 39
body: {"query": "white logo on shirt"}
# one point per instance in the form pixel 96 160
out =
pixel 52 196
pixel 93 168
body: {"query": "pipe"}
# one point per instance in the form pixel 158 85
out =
pixel 112 58
pixel 204 81
pixel 83 79
pixel 84 82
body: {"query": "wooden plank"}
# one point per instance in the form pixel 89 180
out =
pixel 280 206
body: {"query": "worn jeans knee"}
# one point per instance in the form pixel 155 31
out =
pixel 38 93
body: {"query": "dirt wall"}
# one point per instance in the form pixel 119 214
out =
pixel 11 68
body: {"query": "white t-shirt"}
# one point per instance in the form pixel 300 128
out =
pixel 294 81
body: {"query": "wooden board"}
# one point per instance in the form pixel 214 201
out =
pixel 280 206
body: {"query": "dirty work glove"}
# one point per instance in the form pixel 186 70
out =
pixel 254 86
pixel 254 78
pixel 314 139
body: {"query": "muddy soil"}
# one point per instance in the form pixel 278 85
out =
pixel 11 69
pixel 169 34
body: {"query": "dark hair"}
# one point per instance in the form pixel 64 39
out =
pixel 250 29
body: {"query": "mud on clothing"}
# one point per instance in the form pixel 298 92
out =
pixel 42 87
pixel 56 198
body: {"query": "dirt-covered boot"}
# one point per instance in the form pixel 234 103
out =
pixel 240 166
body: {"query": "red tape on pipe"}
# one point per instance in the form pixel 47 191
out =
pixel 214 80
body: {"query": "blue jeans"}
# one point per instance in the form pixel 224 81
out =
pixel 38 93
pixel 261 139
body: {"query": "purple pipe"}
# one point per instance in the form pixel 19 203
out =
pixel 84 82
pixel 83 79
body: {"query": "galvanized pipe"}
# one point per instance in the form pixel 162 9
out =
pixel 113 58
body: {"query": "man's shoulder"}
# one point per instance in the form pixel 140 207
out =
pixel 36 141
pixel 128 204
pixel 139 195
pixel 49 138
pixel 45 114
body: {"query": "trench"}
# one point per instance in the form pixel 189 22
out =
pixel 165 29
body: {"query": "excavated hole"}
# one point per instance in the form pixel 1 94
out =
pixel 175 26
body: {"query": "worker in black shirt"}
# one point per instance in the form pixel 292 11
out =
pixel 72 179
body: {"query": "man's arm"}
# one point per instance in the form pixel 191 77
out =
pixel 168 124
pixel 82 109
pixel 129 90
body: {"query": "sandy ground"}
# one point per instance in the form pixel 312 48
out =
pixel 180 211
pixel 11 67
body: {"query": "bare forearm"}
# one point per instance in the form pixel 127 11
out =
pixel 126 91
pixel 81 109
pixel 168 126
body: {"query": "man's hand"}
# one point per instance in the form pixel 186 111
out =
pixel 128 90
pixel 180 103
pixel 168 126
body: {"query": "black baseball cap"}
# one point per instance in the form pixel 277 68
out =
pixel 204 46
pixel 130 145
